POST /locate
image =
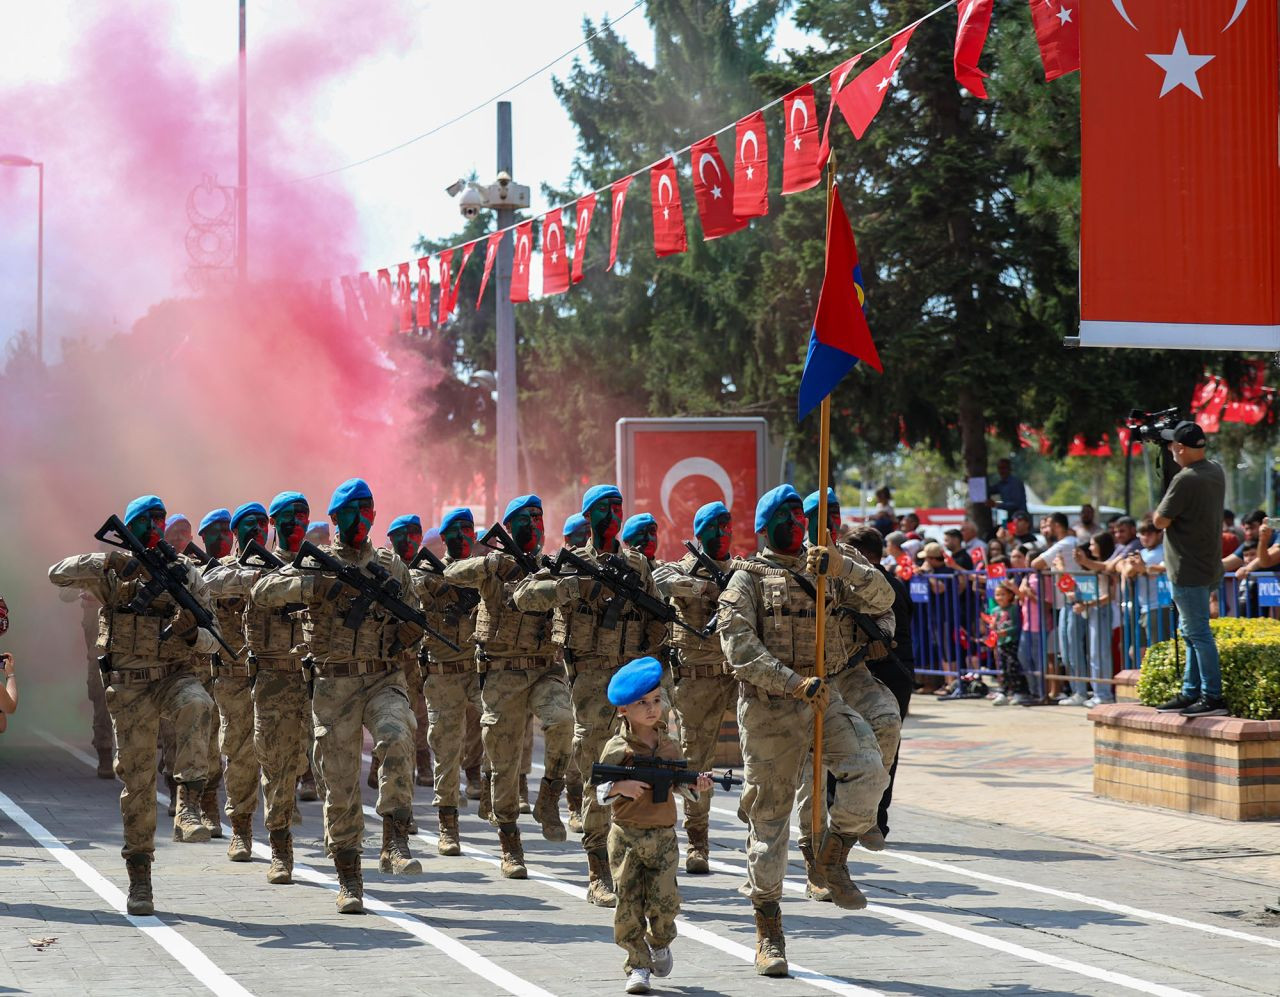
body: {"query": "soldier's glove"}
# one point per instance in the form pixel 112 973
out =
pixel 122 564
pixel 183 626
pixel 503 565
pixel 824 561
pixel 810 690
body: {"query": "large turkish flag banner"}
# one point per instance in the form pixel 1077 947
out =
pixel 678 465
pixel 1180 227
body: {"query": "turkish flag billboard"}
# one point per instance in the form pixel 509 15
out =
pixel 1180 184
pixel 671 467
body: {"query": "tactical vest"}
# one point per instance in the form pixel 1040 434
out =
pixel 444 615
pixel 506 631
pixel 788 623
pixel 697 613
pixel 326 637
pixel 230 616
pixel 272 633
pixel 576 628
pixel 138 634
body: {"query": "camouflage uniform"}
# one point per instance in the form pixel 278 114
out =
pixel 515 654
pixel 149 678
pixel 102 742
pixel 767 628
pixel 592 654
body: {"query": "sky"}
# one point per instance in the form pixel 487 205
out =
pixel 131 104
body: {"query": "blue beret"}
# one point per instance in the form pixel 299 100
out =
pixel 811 501
pixel 248 509
pixel 351 490
pixel 520 502
pixel 596 492
pixel 636 525
pixel 318 526
pixel 635 680
pixel 704 516
pixel 400 522
pixel 459 515
pixel 283 499
pixel 217 516
pixel 769 503
pixel 574 523
pixel 173 518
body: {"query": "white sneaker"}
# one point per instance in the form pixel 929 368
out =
pixel 1092 701
pixel 638 981
pixel 1075 699
pixel 1022 699
pixel 999 699
pixel 662 960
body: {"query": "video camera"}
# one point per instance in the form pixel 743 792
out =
pixel 1147 426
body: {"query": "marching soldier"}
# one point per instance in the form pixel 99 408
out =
pixel 405 536
pixel 640 533
pixel 146 669
pixel 575 534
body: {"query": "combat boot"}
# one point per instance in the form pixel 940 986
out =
pixel 172 787
pixel 448 843
pixel 209 815
pixel 307 787
pixel 374 765
pixel 600 888
pixel 833 859
pixel 771 946
pixel 106 766
pixel 240 847
pixel 485 807
pixel 140 901
pixel 426 777
pixel 696 859
pixel 350 899
pixel 816 885
pixel 547 809
pixel 395 857
pixel 513 866
pixel 412 826
pixel 187 825
pixel 573 800
pixel 281 870
pixel 473 782
pixel 524 795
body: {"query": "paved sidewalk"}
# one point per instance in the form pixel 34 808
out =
pixel 1032 769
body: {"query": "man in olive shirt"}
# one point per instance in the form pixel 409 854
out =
pixel 1191 516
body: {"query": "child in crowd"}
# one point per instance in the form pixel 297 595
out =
pixel 643 853
pixel 1006 624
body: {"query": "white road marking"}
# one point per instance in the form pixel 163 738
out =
pixel 466 957
pixel 192 959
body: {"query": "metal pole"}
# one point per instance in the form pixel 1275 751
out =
pixel 242 180
pixel 508 419
pixel 40 270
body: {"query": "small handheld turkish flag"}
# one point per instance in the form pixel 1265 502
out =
pixel 971 38
pixel 424 292
pixel 618 195
pixel 713 191
pixel 446 282
pixel 555 261
pixel 403 297
pixel 995 571
pixel 520 261
pixel 1066 583
pixel 751 167
pixel 586 210
pixel 490 254
pixel 669 235
pixel 1058 34
pixel 801 168
pixel 861 100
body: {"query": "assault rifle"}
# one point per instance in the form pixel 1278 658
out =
pixel 659 773
pixel 166 575
pixel 254 554
pixel 434 564
pixel 624 581
pixel 194 551
pixel 721 578
pixel 497 538
pixel 464 599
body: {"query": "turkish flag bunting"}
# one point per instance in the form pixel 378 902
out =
pixel 971 37
pixel 751 167
pixel 490 254
pixel 839 76
pixel 404 298
pixel 386 306
pixel 801 168
pixel 713 191
pixel 520 263
pixel 586 209
pixel 1058 34
pixel 424 292
pixel 669 235
pixel 618 194
pixel 467 250
pixel 351 301
pixel 446 282
pixel 555 261
pixel 860 101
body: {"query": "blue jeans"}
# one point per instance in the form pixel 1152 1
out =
pixel 1098 624
pixel 1203 675
pixel 1031 653
pixel 1071 652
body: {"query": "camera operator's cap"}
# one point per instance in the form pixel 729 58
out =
pixel 403 522
pixel 459 515
pixel 141 506
pixel 248 509
pixel 635 527
pixel 811 501
pixel 769 503
pixel 217 516
pixel 351 490
pixel 635 680
pixel 708 513
pixel 1189 434
pixel 597 492
pixel 574 523
pixel 283 499
pixel 521 502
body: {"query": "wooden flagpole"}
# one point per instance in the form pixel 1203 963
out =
pixel 820 610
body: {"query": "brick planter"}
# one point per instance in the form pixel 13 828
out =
pixel 1127 685
pixel 1220 766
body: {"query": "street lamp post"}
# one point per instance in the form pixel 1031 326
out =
pixel 11 160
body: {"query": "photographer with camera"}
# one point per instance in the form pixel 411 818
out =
pixel 1191 516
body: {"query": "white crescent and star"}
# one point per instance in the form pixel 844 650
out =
pixel 665 181
pixel 798 104
pixel 1180 67
pixel 554 229
pixel 618 201
pixel 584 220
pixel 750 135
pixel 522 243
pixel 703 160
pixel 693 467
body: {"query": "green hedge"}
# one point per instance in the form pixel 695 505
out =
pixel 1250 653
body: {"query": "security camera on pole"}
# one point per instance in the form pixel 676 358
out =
pixel 506 198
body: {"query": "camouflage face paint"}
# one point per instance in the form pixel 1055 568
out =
pixel 216 538
pixel 716 537
pixel 578 537
pixel 406 542
pixel 149 528
pixel 291 525
pixel 355 521
pixel 459 538
pixel 785 529
pixel 647 542
pixel 527 530
pixel 605 517
pixel 251 527
pixel 833 523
